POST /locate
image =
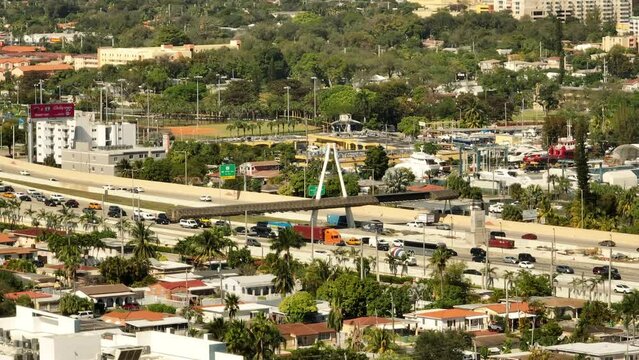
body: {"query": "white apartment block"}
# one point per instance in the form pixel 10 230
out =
pixel 634 25
pixel 52 137
pixel 618 11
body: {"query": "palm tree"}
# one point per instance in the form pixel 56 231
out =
pixel 284 280
pixel 32 214
pixel 143 241
pixel 576 285
pixel 217 328
pixel 209 244
pixel 336 317
pixel 392 261
pixel 379 341
pixel 68 253
pixel 439 260
pixel 285 241
pixel 508 278
pixel 489 274
pixel 592 284
pixel 232 305
pixel 630 308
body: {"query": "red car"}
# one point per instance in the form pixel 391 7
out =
pixel 529 236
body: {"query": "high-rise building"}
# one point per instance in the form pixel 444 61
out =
pixel 53 136
pixel 618 11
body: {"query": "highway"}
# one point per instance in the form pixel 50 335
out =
pixel 170 234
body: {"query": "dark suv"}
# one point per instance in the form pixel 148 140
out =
pixel 526 257
pixel 162 219
pixel 115 211
pixel 478 252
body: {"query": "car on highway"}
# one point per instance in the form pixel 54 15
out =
pixel 115 211
pixel 564 269
pixel 472 272
pixel 32 191
pixel 374 226
pixel 526 257
pixel 25 173
pixel 353 241
pixel 72 203
pixel 95 206
pixel 479 259
pixel 57 197
pixel 398 243
pixel 24 198
pixel 442 227
pixel 53 179
pixel 607 243
pixel 529 236
pixel 19 193
pixel 451 252
pixel 40 197
pixel 511 260
pixel 253 242
pixel 623 288
pixel 189 223
pixel 206 198
pixel 162 219
pixel 478 252
pixel 223 223
pixel 496 208
pixel 239 230
pixel 142 216
pixel 383 245
pixel 8 195
pixel 416 224
pixel 137 189
pixel 203 222
pixel 50 202
pixel 108 187
pixel 526 265
pixel 603 272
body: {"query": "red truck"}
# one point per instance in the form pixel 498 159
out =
pixel 322 234
pixel 501 243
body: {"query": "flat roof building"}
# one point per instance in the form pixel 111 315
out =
pixel 121 56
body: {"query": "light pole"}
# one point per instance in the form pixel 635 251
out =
pixel 148 112
pixel 121 81
pixel 314 78
pixel 41 82
pixel 610 272
pixel 197 102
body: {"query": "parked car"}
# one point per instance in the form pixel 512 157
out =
pixel 607 243
pixel 526 265
pixel 131 307
pixel 472 272
pixel 83 315
pixel 40 197
pixel 162 219
pixel 495 327
pixel 24 198
pixel 116 211
pixel 529 236
pixel 442 227
pixel 478 252
pixel 95 206
pixel 564 269
pixel 240 230
pixel 206 198
pixel 71 203
pixel 32 191
pixel 137 189
pixel 50 202
pixel 479 259
pixel 25 173
pixel 253 242
pixel 53 179
pixel 496 208
pixel 511 260
pixel 189 223
pixel 622 288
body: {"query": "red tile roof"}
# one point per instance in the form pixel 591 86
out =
pixel 124 316
pixel 34 232
pixel 425 188
pixel 367 321
pixel 21 48
pixel 7 238
pixel 14 60
pixel 513 307
pixel 299 329
pixel 31 294
pixel 45 67
pixel 181 284
pixel 448 314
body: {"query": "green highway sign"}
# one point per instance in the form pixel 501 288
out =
pixel 227 171
pixel 312 190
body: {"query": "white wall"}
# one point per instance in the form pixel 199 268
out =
pixel 182 346
pixel 36 321
pixel 83 346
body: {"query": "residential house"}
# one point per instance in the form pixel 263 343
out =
pixel 560 308
pixel 29 236
pixel 260 169
pixel 40 281
pixel 630 85
pixel 12 252
pixel 10 63
pixel 553 62
pixel 144 320
pixel 40 69
pixel 489 65
pixel 451 319
pixel 108 296
pixel 181 290
pixel 246 311
pixel 299 335
pixel 251 288
pixel 159 268
pixel 362 323
pixel 597 351
pixel 8 239
pixel 40 300
pixel 514 311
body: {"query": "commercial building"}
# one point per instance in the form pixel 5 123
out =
pixel 618 11
pixel 121 56
pixel 627 42
pixel 54 136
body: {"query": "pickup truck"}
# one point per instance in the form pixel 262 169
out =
pixel 603 271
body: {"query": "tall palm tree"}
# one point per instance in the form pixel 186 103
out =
pixel 286 240
pixel 232 305
pixel 143 240
pixel 489 274
pixel 32 214
pixel 379 341
pixel 438 261
pixel 508 278
pixel 284 280
pixel 68 253
pixel 592 284
pixel 392 261
pixel 336 317
pixel 209 245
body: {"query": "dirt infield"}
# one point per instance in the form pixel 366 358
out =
pixel 189 131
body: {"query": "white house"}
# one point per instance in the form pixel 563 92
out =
pixel 451 319
pixel 597 351
pixel 246 311
pixel 108 295
pixel 251 288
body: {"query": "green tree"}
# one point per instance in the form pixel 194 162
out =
pixel 409 125
pixel 239 258
pixel 170 34
pixel 298 306
pixel 441 345
pixel 376 162
pixel 379 341
pixel 336 317
pixel 161 308
pixel 397 179
pixel 143 241
pixel 550 333
pixel 20 265
pixel 24 300
pixel 438 262
pixel 71 304
pixel 231 305
pixel 117 270
pixel 49 160
pixel 512 213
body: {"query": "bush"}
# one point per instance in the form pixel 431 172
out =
pixel 161 308
pixel 399 280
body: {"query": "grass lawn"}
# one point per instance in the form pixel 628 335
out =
pixel 220 130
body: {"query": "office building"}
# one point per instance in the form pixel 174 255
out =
pixel 121 56
pixel 54 136
pixel 618 11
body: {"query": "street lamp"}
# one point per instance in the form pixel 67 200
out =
pixel 41 82
pixel 197 102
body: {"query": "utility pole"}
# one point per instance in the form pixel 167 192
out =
pixel 610 273
pixel 197 103
pixel 552 263
pixel 121 81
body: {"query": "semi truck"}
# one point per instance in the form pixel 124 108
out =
pixel 321 234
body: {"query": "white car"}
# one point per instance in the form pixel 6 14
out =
pixel 398 243
pixel 18 194
pixel 188 223
pixel 32 191
pixel 510 260
pixel 56 197
pixel 24 172
pixel 143 215
pixel 83 315
pixel 108 187
pixel 415 224
pixel 138 189
pixel 496 208
pixel 622 288
pixel 206 198
pixel 526 265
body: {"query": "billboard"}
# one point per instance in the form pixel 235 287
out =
pixel 52 111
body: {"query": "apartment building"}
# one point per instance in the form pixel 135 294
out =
pixel 618 11
pixel 121 56
pixel 54 136
pixel 627 42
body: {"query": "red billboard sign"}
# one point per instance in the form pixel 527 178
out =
pixel 48 111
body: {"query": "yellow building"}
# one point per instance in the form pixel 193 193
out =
pixel 121 56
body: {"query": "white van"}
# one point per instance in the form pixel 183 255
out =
pixel 188 223
pixel 83 315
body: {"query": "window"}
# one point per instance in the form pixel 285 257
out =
pixel 450 323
